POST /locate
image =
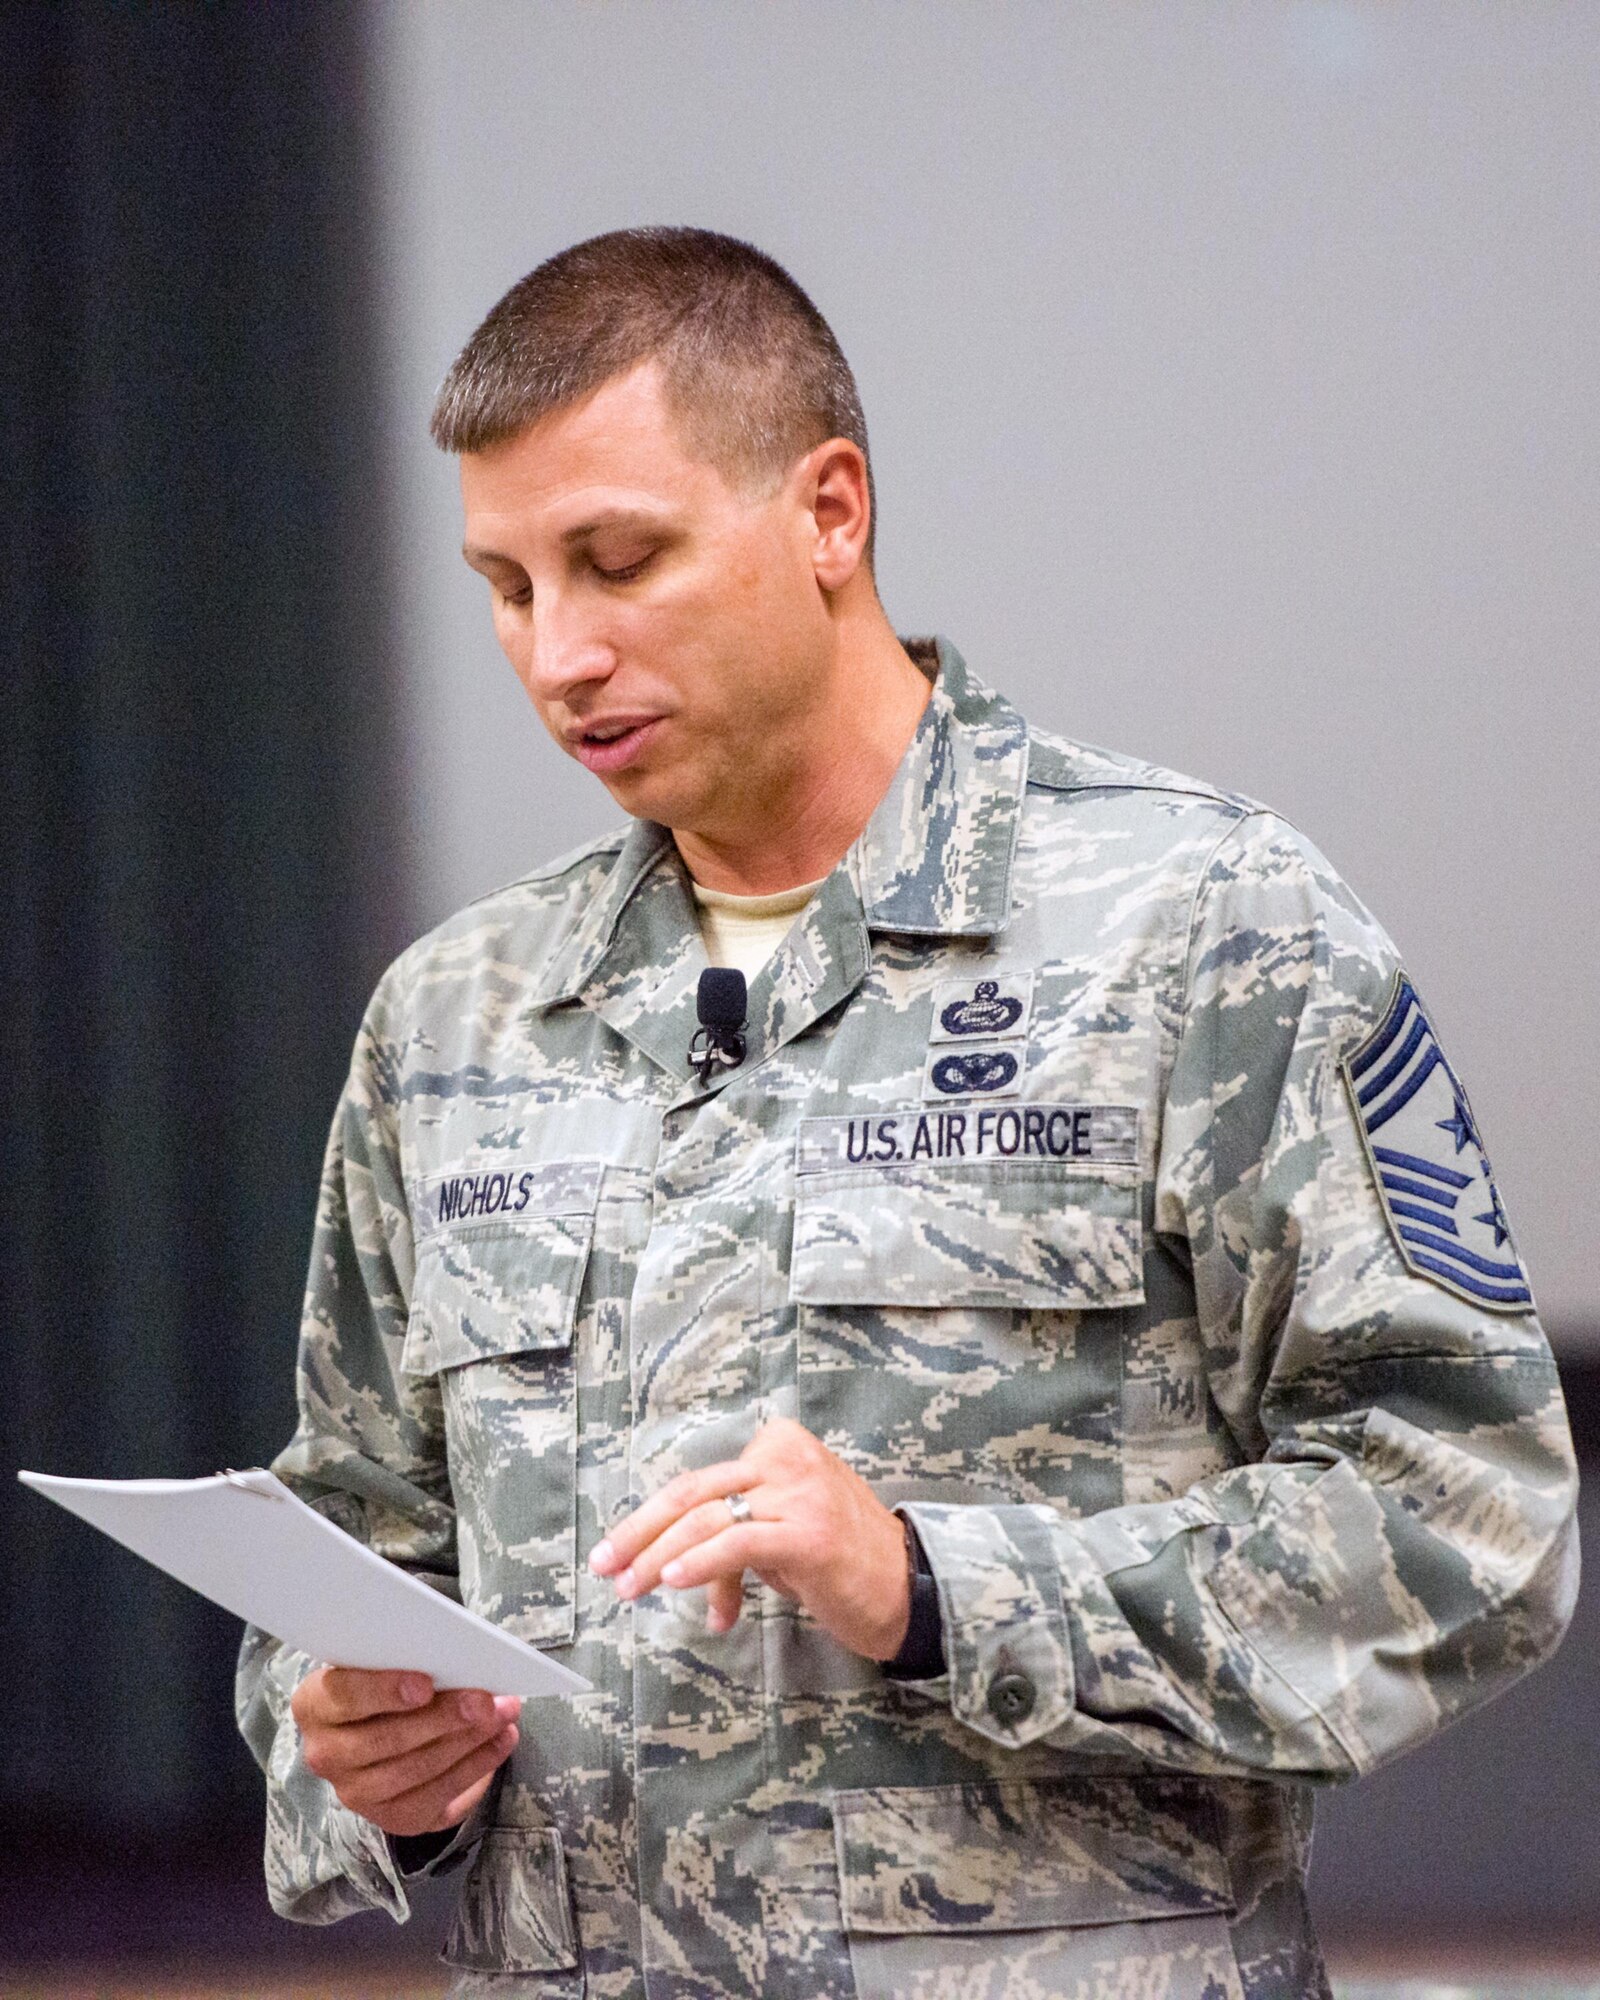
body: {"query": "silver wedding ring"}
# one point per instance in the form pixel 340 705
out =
pixel 739 1506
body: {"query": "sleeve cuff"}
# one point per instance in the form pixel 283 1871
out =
pixel 323 1861
pixel 1006 1639
pixel 416 1855
pixel 921 1654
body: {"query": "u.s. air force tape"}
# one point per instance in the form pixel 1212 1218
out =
pixel 1097 1134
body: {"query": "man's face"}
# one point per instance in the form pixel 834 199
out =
pixel 668 626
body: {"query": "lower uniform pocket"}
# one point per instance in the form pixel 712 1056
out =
pixel 515 1913
pixel 1037 1889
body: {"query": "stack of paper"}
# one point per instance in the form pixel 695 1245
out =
pixel 246 1542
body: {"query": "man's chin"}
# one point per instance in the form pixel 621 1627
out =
pixel 645 795
pixel 695 802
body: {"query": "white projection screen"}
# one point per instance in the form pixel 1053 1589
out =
pixel 1230 373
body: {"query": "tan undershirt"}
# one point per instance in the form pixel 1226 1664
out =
pixel 745 931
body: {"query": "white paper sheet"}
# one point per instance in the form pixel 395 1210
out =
pixel 246 1542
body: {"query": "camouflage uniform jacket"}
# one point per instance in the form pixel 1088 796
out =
pixel 1052 1196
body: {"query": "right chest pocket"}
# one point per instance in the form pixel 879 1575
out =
pixel 494 1307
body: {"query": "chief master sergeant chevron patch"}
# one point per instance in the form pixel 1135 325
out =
pixel 1432 1173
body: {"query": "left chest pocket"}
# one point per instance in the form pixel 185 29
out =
pixel 494 1309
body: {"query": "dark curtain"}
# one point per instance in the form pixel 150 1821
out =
pixel 199 854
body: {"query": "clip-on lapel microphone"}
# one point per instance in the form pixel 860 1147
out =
pixel 720 1002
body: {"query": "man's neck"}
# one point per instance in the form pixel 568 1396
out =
pixel 803 835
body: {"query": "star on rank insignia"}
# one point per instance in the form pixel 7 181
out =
pixel 1432 1174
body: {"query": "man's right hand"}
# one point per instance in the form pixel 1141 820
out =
pixel 408 1759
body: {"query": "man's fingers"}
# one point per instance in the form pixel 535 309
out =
pixel 710 1518
pixel 375 1785
pixel 388 1751
pixel 755 1545
pixel 661 1510
pixel 351 1694
pixel 724 1601
pixel 468 1714
pixel 457 1809
pixel 427 1807
pixel 779 1448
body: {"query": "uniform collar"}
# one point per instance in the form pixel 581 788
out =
pixel 934 860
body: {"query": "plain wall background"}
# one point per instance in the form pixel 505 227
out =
pixel 1229 372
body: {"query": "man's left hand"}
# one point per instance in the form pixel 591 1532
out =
pixel 816 1532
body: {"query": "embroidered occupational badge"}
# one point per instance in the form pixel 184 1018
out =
pixel 996 1007
pixel 986 1071
pixel 1432 1174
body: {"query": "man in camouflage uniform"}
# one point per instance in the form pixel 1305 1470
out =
pixel 1093 1195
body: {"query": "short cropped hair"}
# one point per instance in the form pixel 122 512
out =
pixel 752 373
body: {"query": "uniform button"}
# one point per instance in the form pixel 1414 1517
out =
pixel 1011 1698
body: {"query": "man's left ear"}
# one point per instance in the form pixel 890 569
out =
pixel 842 509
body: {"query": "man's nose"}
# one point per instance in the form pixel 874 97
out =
pixel 566 648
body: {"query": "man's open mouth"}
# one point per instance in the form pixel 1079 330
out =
pixel 608 746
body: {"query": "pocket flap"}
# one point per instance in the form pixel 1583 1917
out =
pixel 1027 1854
pixel 515 1913
pixel 1020 1235
pixel 487 1288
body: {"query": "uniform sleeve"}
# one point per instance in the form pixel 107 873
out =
pixel 369 1453
pixel 1398 1542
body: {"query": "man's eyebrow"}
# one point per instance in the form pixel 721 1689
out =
pixel 608 517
